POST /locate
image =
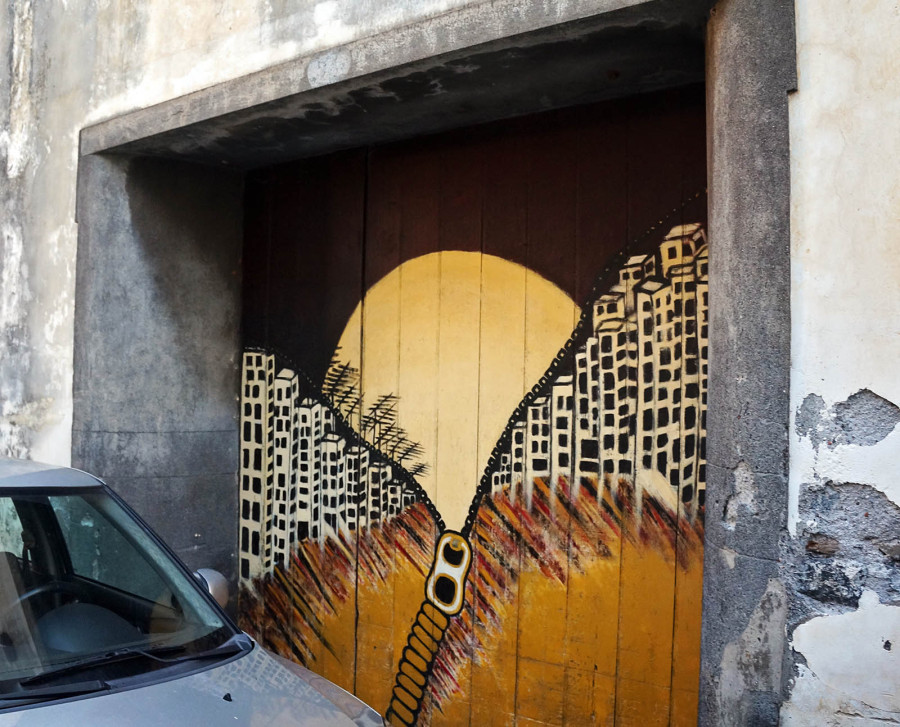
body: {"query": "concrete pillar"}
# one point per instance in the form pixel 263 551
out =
pixel 750 71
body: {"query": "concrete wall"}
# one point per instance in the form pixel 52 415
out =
pixel 157 345
pixel 843 516
pixel 68 65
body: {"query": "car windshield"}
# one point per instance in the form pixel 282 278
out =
pixel 81 580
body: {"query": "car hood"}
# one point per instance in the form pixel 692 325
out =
pixel 254 690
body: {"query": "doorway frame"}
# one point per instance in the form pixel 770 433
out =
pixel 173 173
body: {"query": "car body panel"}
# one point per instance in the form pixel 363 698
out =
pixel 22 473
pixel 252 690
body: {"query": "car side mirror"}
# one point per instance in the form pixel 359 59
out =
pixel 215 583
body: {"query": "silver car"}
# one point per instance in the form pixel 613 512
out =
pixel 100 624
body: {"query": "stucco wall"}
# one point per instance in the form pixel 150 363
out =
pixel 843 514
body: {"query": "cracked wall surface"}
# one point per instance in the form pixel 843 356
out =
pixel 842 564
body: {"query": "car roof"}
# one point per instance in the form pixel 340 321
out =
pixel 24 473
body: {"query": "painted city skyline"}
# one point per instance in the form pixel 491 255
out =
pixel 603 458
pixel 305 475
pixel 629 403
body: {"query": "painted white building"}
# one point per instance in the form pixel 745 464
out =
pixel 379 476
pixel 313 484
pixel 334 486
pixel 500 479
pixel 357 514
pixel 517 460
pixel 562 423
pixel 652 394
pixel 285 466
pixel 537 445
pixel 256 476
pixel 587 459
pixel 634 399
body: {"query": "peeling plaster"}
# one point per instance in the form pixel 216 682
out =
pixel 744 496
pixel 848 543
pixel 833 582
pixel 729 555
pixel 850 671
pixel 854 440
pixel 750 670
pixel 863 419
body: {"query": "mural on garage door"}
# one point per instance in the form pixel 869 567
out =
pixel 473 418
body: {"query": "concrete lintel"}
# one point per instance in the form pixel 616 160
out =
pixel 487 61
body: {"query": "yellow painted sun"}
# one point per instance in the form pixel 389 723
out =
pixel 459 337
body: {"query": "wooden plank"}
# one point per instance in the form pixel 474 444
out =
pixel 552 203
pixel 689 544
pixel 551 233
pixel 315 262
pixel 601 217
pixel 655 148
pixel 602 211
pixel 495 615
pixel 381 636
pixel 460 289
pixel 648 565
pixel 343 236
pixel 418 179
pixel 458 469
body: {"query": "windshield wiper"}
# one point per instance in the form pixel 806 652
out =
pixel 232 646
pixel 110 657
pixel 46 694
pixel 235 645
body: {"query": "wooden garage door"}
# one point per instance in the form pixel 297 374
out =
pixel 473 418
